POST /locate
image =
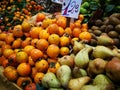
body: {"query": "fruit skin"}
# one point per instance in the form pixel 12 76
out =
pixel 31 86
pixel 78 83
pixel 22 82
pixel 96 66
pixel 102 52
pixel 66 60
pixel 82 57
pixel 113 69
pixel 50 80
pixel 10 73
pixel 103 82
pixel 24 69
pixel 21 57
pixel 64 74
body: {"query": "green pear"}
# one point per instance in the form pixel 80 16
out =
pixel 102 52
pixel 64 74
pixel 90 87
pixel 103 82
pixel 50 80
pixel 78 72
pixel 78 83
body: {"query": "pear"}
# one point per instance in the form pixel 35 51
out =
pixel 78 72
pixel 97 66
pixel 103 82
pixel 90 87
pixel 113 69
pixel 82 57
pixel 102 52
pixel 64 74
pixel 77 46
pixel 50 80
pixel 78 83
pixel 105 40
pixel 66 60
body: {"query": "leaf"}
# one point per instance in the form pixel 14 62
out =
pixel 109 8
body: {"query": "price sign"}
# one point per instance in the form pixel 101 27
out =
pixel 71 8
pixel 58 1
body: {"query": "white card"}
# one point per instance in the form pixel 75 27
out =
pixel 71 8
pixel 58 1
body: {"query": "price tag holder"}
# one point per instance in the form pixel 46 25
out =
pixel 58 1
pixel 71 8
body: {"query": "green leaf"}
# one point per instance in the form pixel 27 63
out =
pixel 109 8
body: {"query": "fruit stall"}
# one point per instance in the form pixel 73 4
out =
pixel 60 45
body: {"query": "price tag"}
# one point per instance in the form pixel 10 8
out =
pixel 58 1
pixel 71 8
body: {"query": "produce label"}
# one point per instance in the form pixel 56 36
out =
pixel 71 8
pixel 58 1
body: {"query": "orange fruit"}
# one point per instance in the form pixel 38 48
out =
pixel 36 54
pixel 42 44
pixel 53 51
pixel 53 28
pixel 38 77
pixel 53 67
pixel 21 81
pixel 61 31
pixel 85 36
pixel 84 25
pixel 61 21
pixel 81 17
pixel 64 51
pixel 9 39
pixel 3 36
pixel 2 43
pixel 41 65
pixel 8 52
pixel 24 69
pixel 34 32
pixel 30 61
pixel 25 26
pixel 54 39
pixel 5 46
pixel 68 31
pixel 78 23
pixel 26 42
pixel 21 56
pixel 17 43
pixel 46 23
pixel 40 17
pixel 17 31
pixel 76 31
pixel 10 73
pixel 43 34
pixel 28 49
pixel 64 41
pixel 34 41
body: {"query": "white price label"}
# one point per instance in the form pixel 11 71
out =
pixel 71 8
pixel 58 1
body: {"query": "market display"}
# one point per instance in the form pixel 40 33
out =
pixel 42 50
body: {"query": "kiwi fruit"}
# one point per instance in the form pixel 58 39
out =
pixel 117 28
pixel 109 28
pixel 106 21
pixel 98 22
pixel 113 34
pixel 114 21
pixel 94 27
pixel 97 32
pixel 103 27
pixel 116 42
